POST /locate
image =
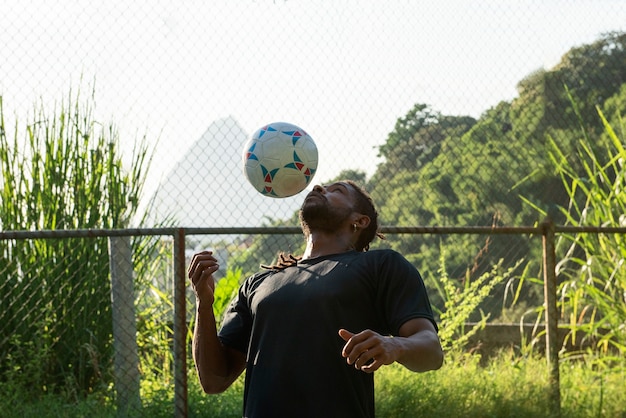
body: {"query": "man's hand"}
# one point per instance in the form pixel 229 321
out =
pixel 416 347
pixel 368 350
pixel 201 270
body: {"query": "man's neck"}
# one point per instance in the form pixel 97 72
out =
pixel 320 244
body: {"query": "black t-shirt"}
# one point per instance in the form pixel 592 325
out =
pixel 287 323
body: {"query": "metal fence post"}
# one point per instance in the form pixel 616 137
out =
pixel 126 359
pixel 180 326
pixel 551 315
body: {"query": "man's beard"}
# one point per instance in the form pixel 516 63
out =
pixel 319 216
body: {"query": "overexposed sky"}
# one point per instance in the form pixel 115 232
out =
pixel 344 70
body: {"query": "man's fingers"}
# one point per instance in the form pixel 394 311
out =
pixel 349 346
pixel 371 366
pixel 365 350
pixel 356 345
pixel 203 273
pixel 200 263
pixel 345 334
pixel 366 361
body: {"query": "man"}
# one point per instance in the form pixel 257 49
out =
pixel 311 331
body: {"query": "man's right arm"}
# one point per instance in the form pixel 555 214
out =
pixel 218 366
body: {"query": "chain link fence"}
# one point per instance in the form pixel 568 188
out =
pixel 64 330
pixel 445 111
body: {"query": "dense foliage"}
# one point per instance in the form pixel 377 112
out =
pixel 454 170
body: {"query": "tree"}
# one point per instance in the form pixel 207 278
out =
pixel 417 139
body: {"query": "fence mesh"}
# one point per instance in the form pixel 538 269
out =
pixel 80 314
pixel 442 110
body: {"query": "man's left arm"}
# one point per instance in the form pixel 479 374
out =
pixel 417 347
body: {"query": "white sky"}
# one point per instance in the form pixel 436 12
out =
pixel 344 70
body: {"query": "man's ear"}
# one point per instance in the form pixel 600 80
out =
pixel 361 221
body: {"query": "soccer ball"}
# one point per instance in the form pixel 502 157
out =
pixel 280 160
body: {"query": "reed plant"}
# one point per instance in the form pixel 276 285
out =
pixel 154 309
pixel 61 170
pixel 592 270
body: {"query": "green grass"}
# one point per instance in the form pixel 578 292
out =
pixel 508 386
pixel 17 403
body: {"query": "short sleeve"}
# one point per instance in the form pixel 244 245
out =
pixel 402 293
pixel 237 323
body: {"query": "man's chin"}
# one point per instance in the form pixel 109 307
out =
pixel 314 205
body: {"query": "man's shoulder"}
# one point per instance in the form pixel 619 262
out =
pixel 253 281
pixel 382 253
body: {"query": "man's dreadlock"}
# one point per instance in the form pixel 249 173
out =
pixel 284 260
pixel 365 205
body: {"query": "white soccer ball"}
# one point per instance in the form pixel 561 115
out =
pixel 280 160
